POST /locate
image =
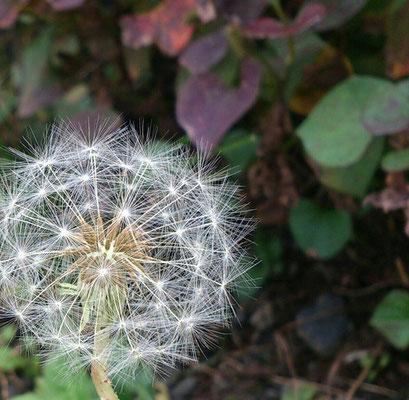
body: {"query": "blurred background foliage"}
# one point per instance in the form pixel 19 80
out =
pixel 307 102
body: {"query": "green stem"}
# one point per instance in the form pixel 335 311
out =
pixel 290 41
pixel 99 370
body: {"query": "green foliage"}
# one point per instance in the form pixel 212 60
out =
pixel 354 179
pixel 53 385
pixel 395 161
pixel 11 358
pixel 391 318
pixel 333 134
pixel 239 148
pixel 299 393
pixel 321 232
pixel 268 249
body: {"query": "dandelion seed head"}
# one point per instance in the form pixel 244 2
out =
pixel 117 237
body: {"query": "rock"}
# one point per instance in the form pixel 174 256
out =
pixel 323 325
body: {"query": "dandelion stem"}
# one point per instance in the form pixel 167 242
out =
pixel 99 368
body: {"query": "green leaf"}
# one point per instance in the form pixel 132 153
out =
pixel 58 383
pixel 239 148
pixel 396 161
pixel 333 134
pixel 67 289
pixel 27 396
pixel 142 384
pixel 268 250
pixel 9 360
pixel 354 179
pixel 35 87
pixel 320 231
pixel 299 393
pixel 7 102
pixel 391 318
pixel 7 333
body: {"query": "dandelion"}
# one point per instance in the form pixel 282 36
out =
pixel 116 252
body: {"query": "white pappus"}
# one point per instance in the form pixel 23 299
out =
pixel 119 251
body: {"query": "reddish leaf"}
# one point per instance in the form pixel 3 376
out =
pixel 165 25
pixel 338 12
pixel 9 10
pixel 241 11
pixel 309 16
pixel 61 5
pixel 206 108
pixel 204 52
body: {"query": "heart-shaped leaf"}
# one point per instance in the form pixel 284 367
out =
pixel 206 108
pixel 319 232
pixel 333 134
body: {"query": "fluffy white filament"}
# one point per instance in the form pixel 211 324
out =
pixel 107 236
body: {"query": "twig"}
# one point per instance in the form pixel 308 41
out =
pixel 402 272
pixel 368 289
pixel 362 376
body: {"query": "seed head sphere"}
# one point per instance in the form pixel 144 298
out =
pixel 117 249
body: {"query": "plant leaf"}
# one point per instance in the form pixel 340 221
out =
pixel 299 393
pixel 205 52
pixel 333 134
pixel 165 25
pixel 338 12
pixel 9 10
pixel 388 112
pixel 395 161
pixel 308 16
pixel 320 232
pixel 206 108
pixel 62 5
pixel 391 318
pixel 355 178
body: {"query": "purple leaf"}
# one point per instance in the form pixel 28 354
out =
pixel 204 52
pixel 388 112
pixel 61 5
pixel 338 12
pixel 9 10
pixel 206 108
pixel 309 16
